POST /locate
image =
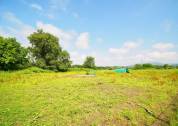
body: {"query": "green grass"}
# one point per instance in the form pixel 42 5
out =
pixel 35 97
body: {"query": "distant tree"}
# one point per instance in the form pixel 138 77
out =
pixel 12 54
pixel 147 65
pixel 77 66
pixel 89 62
pixel 138 66
pixel 167 66
pixel 158 66
pixel 47 52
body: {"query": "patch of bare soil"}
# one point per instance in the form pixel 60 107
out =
pixel 84 75
pixel 132 91
pixel 92 118
pixel 163 119
pixel 115 122
pixel 106 88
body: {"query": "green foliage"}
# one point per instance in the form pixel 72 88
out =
pixel 47 52
pixel 167 66
pixel 65 62
pixel 90 72
pixel 12 54
pixel 144 66
pixel 149 65
pixel 107 67
pixel 31 70
pixel 138 66
pixel 158 66
pixel 89 62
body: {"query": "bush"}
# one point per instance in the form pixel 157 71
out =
pixel 12 54
pixel 167 66
pixel 89 62
pixel 33 70
pixel 138 66
pixel 147 65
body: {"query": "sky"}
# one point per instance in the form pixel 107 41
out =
pixel 115 32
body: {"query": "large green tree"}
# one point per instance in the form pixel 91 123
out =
pixel 12 54
pixel 89 62
pixel 47 51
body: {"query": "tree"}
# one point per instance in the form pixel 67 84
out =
pixel 138 66
pixel 65 62
pixel 147 65
pixel 89 62
pixel 12 54
pixel 167 66
pixel 47 52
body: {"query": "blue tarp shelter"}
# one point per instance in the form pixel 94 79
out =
pixel 121 70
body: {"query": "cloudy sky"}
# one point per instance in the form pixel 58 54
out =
pixel 115 32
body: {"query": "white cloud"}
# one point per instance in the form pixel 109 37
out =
pixel 16 28
pixel 118 51
pixel 163 46
pixel 51 8
pixel 163 56
pixel 127 47
pixel 130 44
pixel 58 4
pixel 142 57
pixel 66 37
pixel 77 58
pixel 55 6
pixel 36 6
pixel 131 53
pixel 20 30
pixel 125 54
pixel 83 41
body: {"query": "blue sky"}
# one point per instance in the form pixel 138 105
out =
pixel 115 32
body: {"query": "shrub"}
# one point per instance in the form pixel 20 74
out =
pixel 12 54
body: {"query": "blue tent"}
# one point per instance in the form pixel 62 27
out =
pixel 121 70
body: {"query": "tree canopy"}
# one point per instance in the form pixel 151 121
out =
pixel 89 62
pixel 47 52
pixel 12 54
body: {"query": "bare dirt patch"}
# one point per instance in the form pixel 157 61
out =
pixel 163 119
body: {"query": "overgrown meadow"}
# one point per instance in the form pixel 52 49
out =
pixel 36 97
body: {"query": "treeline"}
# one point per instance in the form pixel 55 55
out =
pixel 149 65
pixel 44 52
pixel 97 67
pixel 136 67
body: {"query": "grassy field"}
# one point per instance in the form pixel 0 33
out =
pixel 42 98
